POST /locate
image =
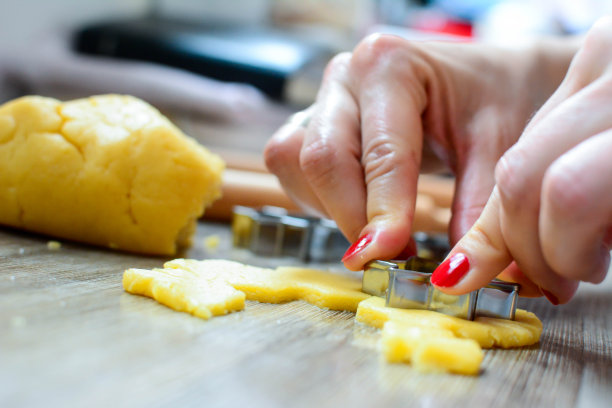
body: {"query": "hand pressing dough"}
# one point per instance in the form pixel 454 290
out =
pixel 429 340
pixel 108 170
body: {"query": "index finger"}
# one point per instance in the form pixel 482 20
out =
pixel 392 97
pixel 329 156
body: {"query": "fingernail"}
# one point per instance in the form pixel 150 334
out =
pixel 357 247
pixel 551 298
pixel 451 271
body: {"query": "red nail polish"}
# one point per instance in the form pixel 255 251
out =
pixel 357 247
pixel 451 271
pixel 551 298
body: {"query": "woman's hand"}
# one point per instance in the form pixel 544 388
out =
pixel 551 209
pixel 392 106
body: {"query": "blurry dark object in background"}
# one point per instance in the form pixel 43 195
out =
pixel 283 67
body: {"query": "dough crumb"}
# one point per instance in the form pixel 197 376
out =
pixel 212 242
pixel 54 245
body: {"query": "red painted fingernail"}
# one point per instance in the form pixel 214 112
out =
pixel 357 247
pixel 451 271
pixel 551 298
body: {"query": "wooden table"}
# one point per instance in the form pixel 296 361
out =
pixel 70 336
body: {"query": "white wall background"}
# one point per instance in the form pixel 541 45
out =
pixel 22 21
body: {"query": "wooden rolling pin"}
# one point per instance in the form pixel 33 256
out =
pixel 251 189
pixel 256 189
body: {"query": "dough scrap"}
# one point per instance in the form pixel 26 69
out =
pixel 488 332
pixel 430 349
pixel 217 287
pixel 431 341
pixel 108 170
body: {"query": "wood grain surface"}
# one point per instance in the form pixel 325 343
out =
pixel 70 336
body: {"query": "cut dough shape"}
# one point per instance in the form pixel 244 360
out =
pixel 432 341
pixel 430 349
pixel 217 287
pixel 488 332
pixel 429 340
pixel 108 170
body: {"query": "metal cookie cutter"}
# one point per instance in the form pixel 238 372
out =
pixel 272 231
pixel 431 246
pixel 406 284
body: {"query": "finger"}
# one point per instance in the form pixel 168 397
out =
pixel 391 142
pixel 482 254
pixel 590 63
pixel 282 154
pixel 508 226
pixel 513 274
pixel 520 172
pixel 331 150
pixel 478 257
pixel 577 210
pixel 522 239
pixel 475 182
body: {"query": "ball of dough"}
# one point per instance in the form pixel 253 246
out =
pixel 108 170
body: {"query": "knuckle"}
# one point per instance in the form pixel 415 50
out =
pixel 379 157
pixel 377 49
pixel 564 190
pixel 510 177
pixel 338 64
pixel 339 61
pixel 318 161
pixel 565 196
pixel 278 153
pixel 480 237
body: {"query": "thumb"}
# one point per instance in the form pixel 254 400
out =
pixel 478 257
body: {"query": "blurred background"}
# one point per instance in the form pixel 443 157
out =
pixel 230 72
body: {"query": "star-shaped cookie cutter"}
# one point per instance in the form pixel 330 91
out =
pixel 274 232
pixel 406 284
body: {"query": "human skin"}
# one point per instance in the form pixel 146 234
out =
pixel 393 108
pixel 551 208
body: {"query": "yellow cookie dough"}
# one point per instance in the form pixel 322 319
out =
pixel 429 340
pixel 430 349
pixel 107 170
pixel 216 287
pixel 487 332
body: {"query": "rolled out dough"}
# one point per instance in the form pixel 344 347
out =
pixel 429 340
